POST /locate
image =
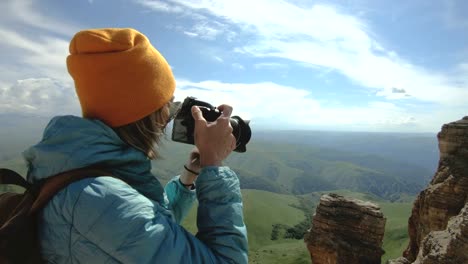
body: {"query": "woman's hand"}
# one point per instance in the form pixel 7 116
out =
pixel 214 140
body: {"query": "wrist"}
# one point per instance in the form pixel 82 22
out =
pixel 206 162
pixel 187 179
pixel 190 186
pixel 188 176
pixel 191 170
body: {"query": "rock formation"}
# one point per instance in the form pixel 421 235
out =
pixel 346 231
pixel 438 226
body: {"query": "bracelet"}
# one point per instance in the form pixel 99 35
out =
pixel 192 185
pixel 191 171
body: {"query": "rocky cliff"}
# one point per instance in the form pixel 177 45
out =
pixel 438 226
pixel 346 231
pixel 351 231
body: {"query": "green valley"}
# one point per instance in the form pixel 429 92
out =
pixel 264 209
pixel 293 169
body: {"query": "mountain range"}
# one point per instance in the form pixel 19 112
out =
pixel 287 168
pixel 388 165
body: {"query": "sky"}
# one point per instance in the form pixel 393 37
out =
pixel 349 65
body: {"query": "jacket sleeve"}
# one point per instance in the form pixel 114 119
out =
pixel 220 217
pixel 133 229
pixel 180 199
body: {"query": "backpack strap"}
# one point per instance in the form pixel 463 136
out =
pixel 8 176
pixel 52 185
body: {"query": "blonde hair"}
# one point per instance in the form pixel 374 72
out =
pixel 145 134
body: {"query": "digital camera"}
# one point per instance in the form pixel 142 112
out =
pixel 184 124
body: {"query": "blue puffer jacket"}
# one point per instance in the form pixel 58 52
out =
pixel 132 220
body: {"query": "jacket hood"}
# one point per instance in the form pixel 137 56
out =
pixel 71 142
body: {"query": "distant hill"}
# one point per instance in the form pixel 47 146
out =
pixel 17 132
pixel 288 162
pixel 295 169
pixel 419 149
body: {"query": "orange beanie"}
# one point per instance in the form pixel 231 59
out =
pixel 119 76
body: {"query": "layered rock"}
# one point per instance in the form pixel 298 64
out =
pixel 346 231
pixel 438 226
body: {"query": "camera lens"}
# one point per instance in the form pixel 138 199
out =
pixel 241 131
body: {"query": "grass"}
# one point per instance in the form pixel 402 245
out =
pixel 263 209
pixel 396 229
pixel 15 163
pixel 283 251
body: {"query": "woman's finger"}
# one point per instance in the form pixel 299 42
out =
pixel 197 115
pixel 226 110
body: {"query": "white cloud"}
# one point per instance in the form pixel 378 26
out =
pixel 43 96
pixel 270 65
pixel 259 100
pixel 209 30
pixel 266 104
pixel 218 59
pixel 43 56
pixel 238 66
pixel 160 6
pixel 25 12
pixel 324 36
pixel 34 45
pixel 396 90
pixel 33 73
pixel 203 27
pixel 292 108
pixel 191 34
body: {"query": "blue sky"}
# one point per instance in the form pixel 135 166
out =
pixel 358 65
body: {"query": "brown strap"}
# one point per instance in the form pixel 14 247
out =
pixel 8 176
pixel 57 182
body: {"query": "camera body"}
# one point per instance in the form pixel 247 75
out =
pixel 184 124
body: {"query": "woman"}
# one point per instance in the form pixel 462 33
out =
pixel 125 89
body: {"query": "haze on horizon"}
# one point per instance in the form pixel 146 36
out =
pixel 357 65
